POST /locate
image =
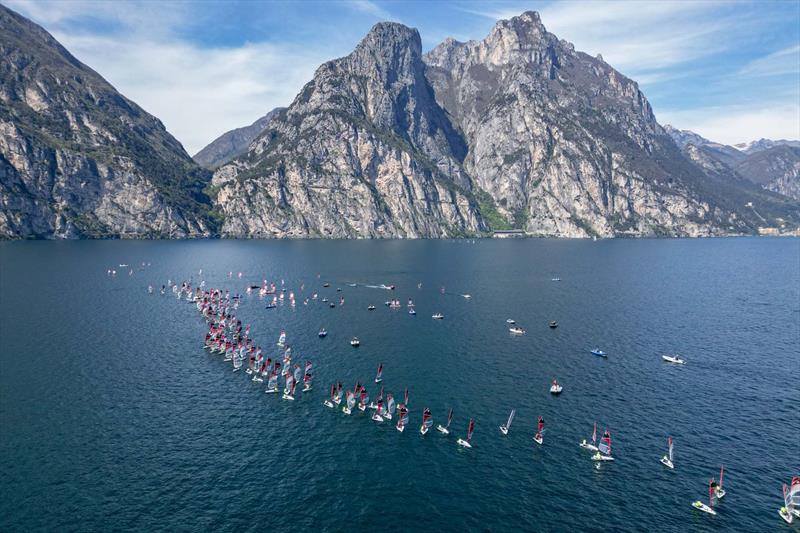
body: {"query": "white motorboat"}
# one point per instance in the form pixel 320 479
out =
pixel 438 316
pixel 515 330
pixel 674 359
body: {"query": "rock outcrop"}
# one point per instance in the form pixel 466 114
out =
pixel 78 159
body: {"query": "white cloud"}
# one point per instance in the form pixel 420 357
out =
pixel 786 61
pixel 371 8
pixel 739 123
pixel 199 93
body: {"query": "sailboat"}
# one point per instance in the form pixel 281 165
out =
pixel 389 407
pixel 337 399
pixel 427 421
pixel 402 418
pixel 307 381
pixel 555 387
pixel 446 429
pixel 604 449
pixel 467 443
pixel 351 402
pixel 237 363
pixel 329 401
pixel 538 438
pixel 362 404
pixel 378 378
pixel 791 501
pixel 288 392
pixel 667 459
pixel 272 384
pixel 377 416
pixel 282 339
pixel 405 397
pixel 505 427
pixel 374 405
pixel 259 374
pixel 719 492
pixel 700 506
pixel 593 445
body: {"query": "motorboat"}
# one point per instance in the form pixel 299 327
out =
pixel 553 324
pixel 674 359
pixel 355 343
pixel 516 330
pixel 600 353
pixel 438 316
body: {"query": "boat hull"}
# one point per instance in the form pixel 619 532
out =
pixel 504 430
pixel 700 506
pixel 443 430
pixel 463 443
pixel 666 462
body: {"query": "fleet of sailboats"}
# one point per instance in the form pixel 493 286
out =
pixel 228 338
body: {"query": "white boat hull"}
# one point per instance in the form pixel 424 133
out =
pixel 556 390
pixel 387 416
pixel 591 447
pixel 306 388
pixel 378 380
pixel 443 430
pixel 328 403
pixel 786 515
pixel 346 411
pixel 666 462
pixel 271 391
pixel 465 444
pixel 423 430
pixel 700 506
pixel 504 430
pixel 401 428
pixel 377 418
pixel 288 397
pixel 540 440
pixel 720 493
pixel 673 360
pixel 601 457
pixel 362 408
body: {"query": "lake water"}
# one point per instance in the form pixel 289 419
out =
pixel 113 417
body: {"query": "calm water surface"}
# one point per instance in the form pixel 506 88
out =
pixel 112 417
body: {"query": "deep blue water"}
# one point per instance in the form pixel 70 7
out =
pixel 112 417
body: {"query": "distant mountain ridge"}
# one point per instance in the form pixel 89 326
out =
pixel 233 143
pixel 78 159
pixel 773 165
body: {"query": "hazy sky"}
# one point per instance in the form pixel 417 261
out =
pixel 727 70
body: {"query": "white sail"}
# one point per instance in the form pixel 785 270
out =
pixel 510 418
pixel 670 449
pixel 390 405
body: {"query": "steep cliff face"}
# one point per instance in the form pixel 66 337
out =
pixel 233 143
pixel 363 151
pixel 564 144
pixel 78 159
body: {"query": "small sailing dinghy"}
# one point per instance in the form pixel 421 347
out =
pixel 307 377
pixel 282 339
pixel 402 418
pixel 337 399
pixel 350 403
pixel 539 438
pixel 329 401
pixel 288 392
pixel 700 506
pixel 437 316
pixel 371 308
pixel 604 449
pixel 674 359
pixel 593 445
pixel 510 321
pixel 516 330
pixel 446 429
pixel 553 324
pixel 468 442
pixel 667 459
pixel 362 403
pixel 505 427
pixel 599 353
pixel 389 407
pixel 272 384
pixel 377 416
pixel 791 501
pixel 427 421
pixel 355 343
pixel 378 377
pixel 719 492
pixel 323 332
pixel 555 388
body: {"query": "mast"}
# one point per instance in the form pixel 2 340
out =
pixel 510 418
pixel 470 429
pixel 669 444
pixel 721 475
pixel 594 434
pixel 449 418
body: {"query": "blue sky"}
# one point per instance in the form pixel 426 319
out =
pixel 728 70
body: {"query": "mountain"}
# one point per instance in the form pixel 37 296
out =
pixel 773 165
pixel 776 169
pixel 518 130
pixel 764 144
pixel 232 143
pixel 78 159
pixel 363 151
